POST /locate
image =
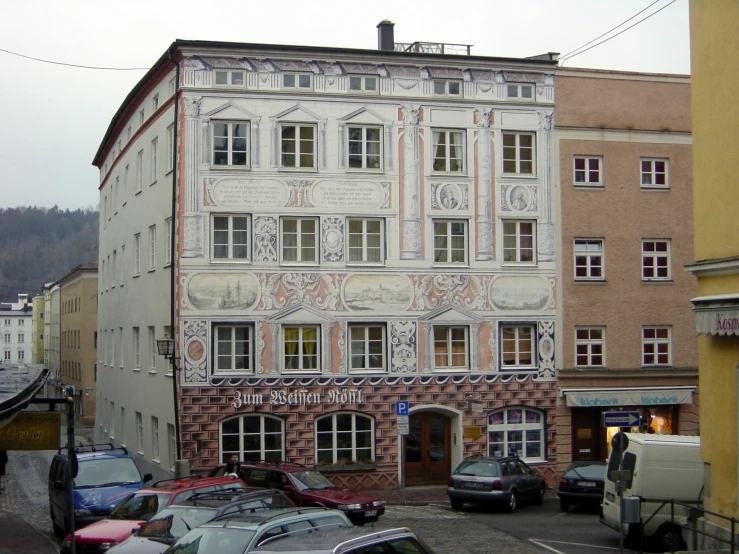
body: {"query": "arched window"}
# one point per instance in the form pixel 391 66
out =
pixel 345 438
pixel 253 438
pixel 517 432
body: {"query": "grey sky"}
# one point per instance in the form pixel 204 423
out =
pixel 53 117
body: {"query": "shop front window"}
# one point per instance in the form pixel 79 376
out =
pixel 516 432
pixel 253 438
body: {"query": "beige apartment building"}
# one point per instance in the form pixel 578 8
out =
pixel 627 336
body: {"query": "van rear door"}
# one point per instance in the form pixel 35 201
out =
pixel 611 508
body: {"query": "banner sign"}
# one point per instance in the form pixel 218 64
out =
pixel 32 431
pixel 591 399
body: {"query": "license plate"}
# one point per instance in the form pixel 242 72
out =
pixel 370 513
pixel 586 483
pixel 474 485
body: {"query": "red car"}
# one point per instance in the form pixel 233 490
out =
pixel 139 507
pixel 307 487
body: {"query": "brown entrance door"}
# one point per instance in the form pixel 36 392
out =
pixel 587 435
pixel 427 450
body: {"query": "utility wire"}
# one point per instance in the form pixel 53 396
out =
pixel 75 65
pixel 562 60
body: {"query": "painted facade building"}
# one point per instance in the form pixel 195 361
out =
pixel 626 341
pixel 716 258
pixel 15 331
pixel 351 229
pixel 37 330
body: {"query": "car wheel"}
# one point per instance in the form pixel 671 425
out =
pixel 539 499
pixel 456 504
pixel 671 538
pixel 564 504
pixel 511 506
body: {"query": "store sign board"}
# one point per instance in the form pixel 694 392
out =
pixel 32 431
pixel 472 433
pixel 621 419
pixel 712 322
pixel 590 399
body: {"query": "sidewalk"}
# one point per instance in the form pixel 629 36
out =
pixel 19 536
pixel 412 495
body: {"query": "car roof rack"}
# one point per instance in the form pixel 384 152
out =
pixel 308 531
pixel 102 447
pixel 283 513
pixel 216 499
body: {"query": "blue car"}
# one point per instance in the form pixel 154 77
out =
pixel 105 476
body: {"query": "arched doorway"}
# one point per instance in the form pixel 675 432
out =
pixel 427 451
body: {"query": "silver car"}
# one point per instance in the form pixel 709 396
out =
pixel 503 481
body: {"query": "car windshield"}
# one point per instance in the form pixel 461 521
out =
pixel 106 472
pixel 477 469
pixel 213 539
pixel 139 506
pixel 596 470
pixel 313 480
pixel 176 522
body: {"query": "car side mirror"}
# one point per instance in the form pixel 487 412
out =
pixel 289 488
pixel 148 477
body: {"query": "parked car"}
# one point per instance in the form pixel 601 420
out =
pixel 308 487
pixel 175 521
pixel 347 541
pixel 240 533
pixel 582 483
pixel 105 476
pixel 499 480
pixel 141 506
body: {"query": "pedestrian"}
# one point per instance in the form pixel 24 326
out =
pixel 231 470
pixel 3 462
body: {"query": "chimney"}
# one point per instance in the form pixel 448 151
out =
pixel 385 35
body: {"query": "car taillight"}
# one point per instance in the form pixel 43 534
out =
pixel 450 483
pixel 497 485
pixel 562 482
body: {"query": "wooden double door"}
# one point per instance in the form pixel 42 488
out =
pixel 427 450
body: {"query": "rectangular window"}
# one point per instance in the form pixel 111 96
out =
pixel 137 254
pixel 21 337
pixel 230 237
pixel 122 427
pixel 299 240
pixel 448 151
pixel 296 80
pixel 364 147
pixel 520 92
pixel 587 171
pixel 298 146
pixel 654 173
pixel 125 184
pixel 589 259
pixel 655 255
pixel 152 247
pixel 233 348
pixel 136 347
pixel 656 346
pixel 365 84
pixel 111 424
pixel 168 241
pixel 120 346
pixel 170 148
pixel 139 433
pixel 140 171
pixel 155 102
pixel 230 143
pixel 154 160
pixel 128 134
pixel 366 241
pixel 517 346
pixel 171 88
pixel 367 347
pixel 115 193
pixel 155 438
pixel 450 242
pixel 590 347
pixel 450 347
pixel 152 348
pixel 226 78
pixel 447 88
pixel 171 446
pixel 518 153
pixel 301 348
pixel 142 118
pixel 518 241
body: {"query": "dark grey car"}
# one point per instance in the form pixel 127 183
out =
pixel 504 481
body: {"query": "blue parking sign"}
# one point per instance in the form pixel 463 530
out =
pixel 402 407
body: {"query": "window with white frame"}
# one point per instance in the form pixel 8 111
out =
pixel 518 153
pixel 168 241
pixel 518 432
pixel 653 173
pixel 517 346
pixel 296 80
pixel 152 348
pixel 345 438
pixel 366 241
pixel 450 242
pixel 230 237
pixel 367 347
pixel 139 433
pixel 6 355
pixel 21 337
pixel 230 143
pixel 171 87
pixel 122 427
pixel 128 134
pixel 451 347
pixel 587 171
pixel 6 337
pixel 297 146
pixel 229 78
pixel 589 259
pixel 137 254
pixel 253 438
pixel 155 102
pixel 171 447
pixel 170 148
pixel 120 346
pixel 152 247
pixel 448 151
pixel 301 347
pixel 590 346
pixel 447 88
pixel 21 355
pixel 142 117
pixel 115 193
pixel 299 239
pixel 233 348
pixel 365 84
pixel 140 171
pixel 520 92
pixel 364 147
pixel 518 241
pixel 136 347
pixel 656 349
pixel 155 438
pixel 655 255
pixel 125 184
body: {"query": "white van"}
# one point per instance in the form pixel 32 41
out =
pixel 662 467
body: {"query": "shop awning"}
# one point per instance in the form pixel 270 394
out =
pixel 625 396
pixel 717 314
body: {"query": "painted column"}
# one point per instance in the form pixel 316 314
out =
pixel 411 222
pixel 484 189
pixel 192 220
pixel 545 231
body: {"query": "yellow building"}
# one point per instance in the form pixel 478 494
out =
pixel 714 43
pixel 37 331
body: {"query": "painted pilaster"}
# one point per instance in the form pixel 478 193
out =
pixel 411 222
pixel 545 230
pixel 484 189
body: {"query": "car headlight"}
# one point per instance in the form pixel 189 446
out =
pixel 82 513
pixel 106 545
pixel 349 506
pixel 377 503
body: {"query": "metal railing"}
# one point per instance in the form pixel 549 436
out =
pixel 434 48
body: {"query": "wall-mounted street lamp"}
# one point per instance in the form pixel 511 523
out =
pixel 167 348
